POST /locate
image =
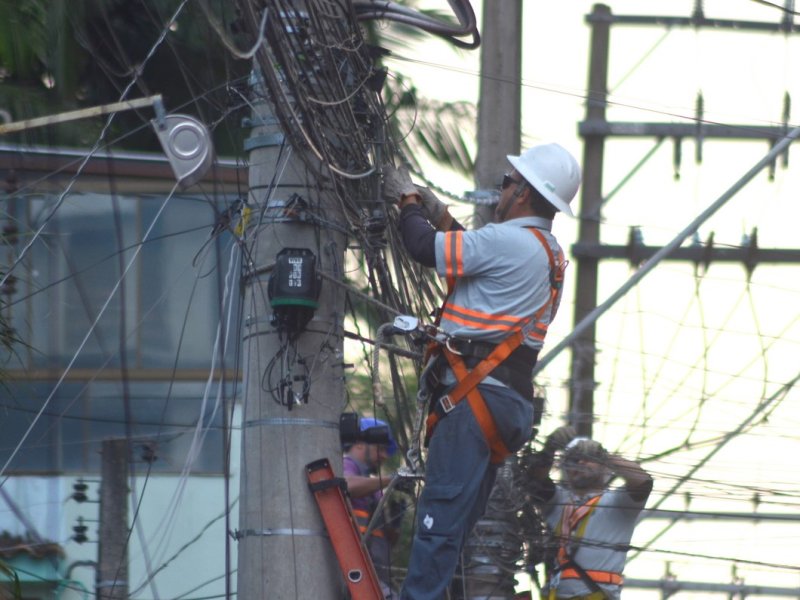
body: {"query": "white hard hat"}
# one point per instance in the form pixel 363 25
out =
pixel 553 171
pixel 582 447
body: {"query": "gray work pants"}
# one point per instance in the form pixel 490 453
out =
pixel 458 481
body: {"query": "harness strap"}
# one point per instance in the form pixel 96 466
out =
pixel 573 519
pixel 550 257
pixel 469 380
pixel 557 268
pixel 362 519
pixel 467 387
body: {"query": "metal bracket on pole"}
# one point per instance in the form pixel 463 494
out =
pixel 185 140
pixel 84 113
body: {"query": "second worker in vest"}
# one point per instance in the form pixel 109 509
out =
pixel 504 283
pixel 592 525
pixel 363 458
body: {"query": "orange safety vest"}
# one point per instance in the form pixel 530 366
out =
pixel 363 518
pixel 572 525
pixel 467 381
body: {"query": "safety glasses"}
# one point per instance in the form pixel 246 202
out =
pixel 507 181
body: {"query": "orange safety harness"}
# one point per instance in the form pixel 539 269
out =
pixel 467 381
pixel 363 518
pixel 572 526
pixel 573 521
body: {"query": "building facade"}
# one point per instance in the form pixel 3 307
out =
pixel 121 295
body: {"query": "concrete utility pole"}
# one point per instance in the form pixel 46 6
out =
pixel 316 140
pixel 493 548
pixel 499 112
pixel 112 550
pixel 284 551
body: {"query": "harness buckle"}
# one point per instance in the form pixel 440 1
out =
pixel 450 348
pixel 446 403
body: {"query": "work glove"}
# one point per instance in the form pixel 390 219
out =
pixel 397 183
pixel 559 439
pixel 433 208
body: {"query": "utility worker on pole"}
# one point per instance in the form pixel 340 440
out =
pixel 365 484
pixel 592 525
pixel 504 283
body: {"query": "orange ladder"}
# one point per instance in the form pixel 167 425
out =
pixel 354 560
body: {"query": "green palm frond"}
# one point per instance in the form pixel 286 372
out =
pixel 23 38
pixel 9 573
pixel 443 131
pixel 39 66
pixel 65 61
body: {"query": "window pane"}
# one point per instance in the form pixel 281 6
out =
pixel 75 306
pixel 81 257
pixel 180 285
pixel 68 434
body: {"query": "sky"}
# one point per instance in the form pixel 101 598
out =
pixel 695 366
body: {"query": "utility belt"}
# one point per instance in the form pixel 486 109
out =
pixel 516 371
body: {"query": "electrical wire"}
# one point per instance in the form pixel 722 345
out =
pixel 80 168
pixel 89 154
pixel 408 292
pixel 383 9
pixel 197 537
pixel 776 6
pixel 102 310
pixel 743 425
pixel 80 162
pixel 223 36
pixel 201 429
